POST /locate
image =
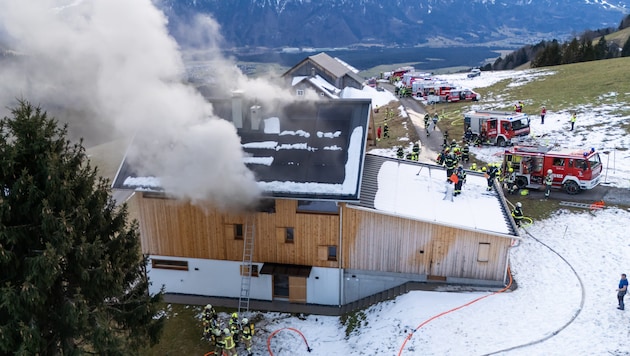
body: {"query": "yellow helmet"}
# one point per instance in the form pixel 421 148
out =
pixel 483 169
pixel 511 170
pixel 235 315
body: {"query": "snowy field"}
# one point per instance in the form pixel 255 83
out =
pixel 567 269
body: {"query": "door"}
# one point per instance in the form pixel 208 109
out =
pixel 297 289
pixel 437 270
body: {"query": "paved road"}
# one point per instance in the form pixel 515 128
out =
pixel 432 144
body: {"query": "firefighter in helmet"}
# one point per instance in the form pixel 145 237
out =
pixel 219 342
pixel 235 327
pixel 450 161
pixel 229 344
pixel 247 331
pixel 465 153
pixel 491 175
pixel 461 179
pixel 400 153
pixel 548 182
pixel 510 181
pixel 517 214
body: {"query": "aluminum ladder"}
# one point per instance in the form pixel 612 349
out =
pixel 246 266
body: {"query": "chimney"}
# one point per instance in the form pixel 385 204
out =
pixel 255 116
pixel 237 108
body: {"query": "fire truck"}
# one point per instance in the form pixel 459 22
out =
pixel 573 170
pixel 499 128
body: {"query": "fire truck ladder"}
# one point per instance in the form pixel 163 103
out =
pixel 246 266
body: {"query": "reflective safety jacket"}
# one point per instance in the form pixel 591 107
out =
pixel 229 342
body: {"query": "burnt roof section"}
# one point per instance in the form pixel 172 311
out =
pixel 300 150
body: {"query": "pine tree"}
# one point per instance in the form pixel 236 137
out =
pixel 625 51
pixel 72 278
pixel 601 49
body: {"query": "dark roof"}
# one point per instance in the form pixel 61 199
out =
pixel 330 64
pixel 301 150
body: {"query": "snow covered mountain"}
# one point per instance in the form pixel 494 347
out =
pixel 334 23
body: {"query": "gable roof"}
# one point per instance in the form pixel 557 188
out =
pixel 415 191
pixel 333 66
pixel 301 150
pixel 320 84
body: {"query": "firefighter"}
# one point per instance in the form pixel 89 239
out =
pixel 228 343
pixel 517 214
pixel 440 158
pixel 415 151
pixel 548 183
pixel 473 167
pixel 572 120
pixel 426 120
pixel 445 143
pixel 450 161
pixel 385 130
pixel 247 331
pixel 492 174
pixel 510 181
pixel 461 179
pixel 209 315
pixel 235 327
pixel 436 118
pixel 465 153
pixel 468 135
pixel 400 153
pixel 219 342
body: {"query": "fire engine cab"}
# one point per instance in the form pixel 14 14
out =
pixel 499 128
pixel 573 170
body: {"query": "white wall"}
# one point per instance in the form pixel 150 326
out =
pixel 322 287
pixel 222 279
pixel 207 277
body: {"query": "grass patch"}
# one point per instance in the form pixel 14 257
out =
pixel 181 334
pixel 401 129
pixel 353 322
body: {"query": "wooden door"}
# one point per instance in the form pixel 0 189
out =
pixel 439 250
pixel 297 289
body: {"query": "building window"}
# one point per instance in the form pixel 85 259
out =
pixel 170 264
pixel 332 253
pixel 327 253
pixel 483 252
pixel 289 235
pixel 254 270
pixel 238 231
pixel 299 92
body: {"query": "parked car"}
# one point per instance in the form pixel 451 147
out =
pixel 475 72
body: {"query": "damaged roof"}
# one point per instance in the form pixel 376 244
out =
pixel 302 150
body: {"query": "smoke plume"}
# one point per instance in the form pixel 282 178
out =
pixel 109 68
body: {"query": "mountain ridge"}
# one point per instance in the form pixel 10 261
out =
pixel 326 23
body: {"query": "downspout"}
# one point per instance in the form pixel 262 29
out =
pixel 340 248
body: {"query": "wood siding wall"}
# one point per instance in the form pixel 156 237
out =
pixel 378 242
pixel 172 228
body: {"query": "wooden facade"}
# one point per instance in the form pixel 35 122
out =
pixel 173 228
pixel 377 242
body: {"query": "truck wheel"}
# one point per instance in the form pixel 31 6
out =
pixel 521 182
pixel 501 142
pixel 571 187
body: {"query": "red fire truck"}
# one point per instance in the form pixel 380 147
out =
pixel 462 94
pixel 573 170
pixel 499 128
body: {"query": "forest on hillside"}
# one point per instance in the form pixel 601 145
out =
pixel 578 49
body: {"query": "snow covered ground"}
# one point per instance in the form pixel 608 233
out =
pixel 567 269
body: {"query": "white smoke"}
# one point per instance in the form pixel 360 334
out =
pixel 111 65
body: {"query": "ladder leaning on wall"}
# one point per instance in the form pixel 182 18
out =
pixel 246 266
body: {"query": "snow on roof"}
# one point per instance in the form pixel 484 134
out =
pixel 320 83
pixel 417 192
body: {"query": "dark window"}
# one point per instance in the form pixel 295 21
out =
pixel 288 235
pixel 332 253
pixel 170 264
pixel 238 231
pixel 313 206
pixel 266 206
pixel 558 162
pixel 254 270
pixel 281 285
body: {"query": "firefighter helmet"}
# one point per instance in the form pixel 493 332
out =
pixel 549 171
pixel 207 307
pixel 244 321
pixel 226 331
pixel 518 204
pixel 473 166
pixel 483 169
pixel 511 170
pixel 235 315
pixel 453 141
pixel 216 332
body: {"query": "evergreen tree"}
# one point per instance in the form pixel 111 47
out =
pixel 72 279
pixel 601 49
pixel 625 50
pixel 587 52
pixel 571 52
